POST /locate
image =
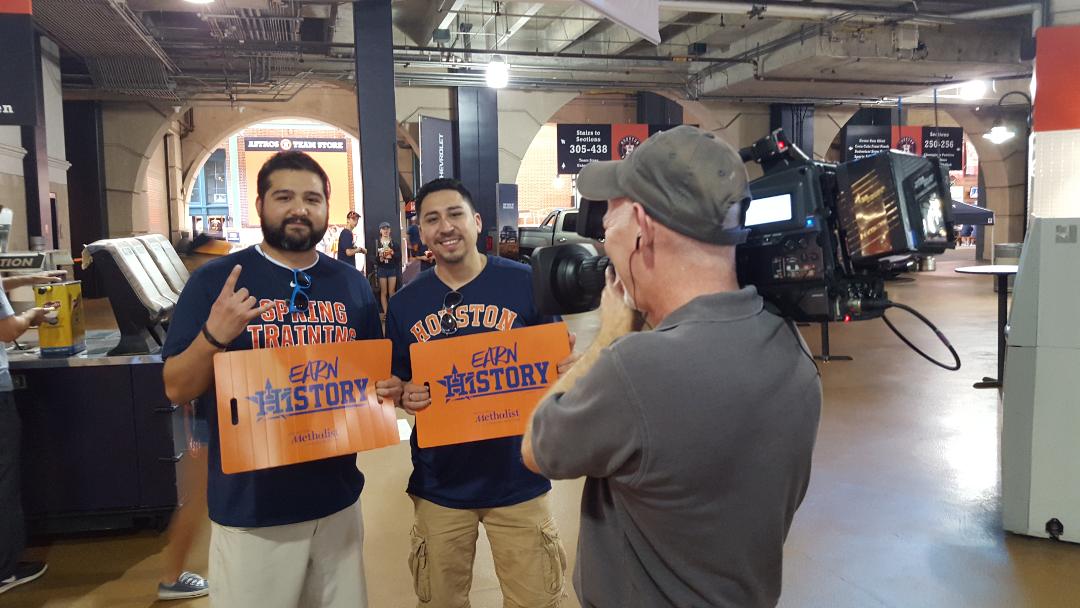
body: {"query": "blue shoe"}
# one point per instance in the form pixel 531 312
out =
pixel 187 585
pixel 24 573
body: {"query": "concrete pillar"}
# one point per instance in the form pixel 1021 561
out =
pixel 36 163
pixel 797 121
pixel 477 157
pixel 653 109
pixel 373 32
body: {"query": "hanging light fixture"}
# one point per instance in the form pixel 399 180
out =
pixel 498 73
pixel 999 133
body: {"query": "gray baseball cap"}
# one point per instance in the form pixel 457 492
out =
pixel 686 178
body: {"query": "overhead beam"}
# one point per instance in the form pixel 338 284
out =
pixel 608 38
pixel 451 14
pixel 521 21
pixel 560 34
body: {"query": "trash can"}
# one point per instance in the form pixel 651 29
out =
pixel 1007 253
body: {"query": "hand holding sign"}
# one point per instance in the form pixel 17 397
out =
pixel 389 389
pixel 415 398
pixel 233 310
pixel 483 386
pixel 281 406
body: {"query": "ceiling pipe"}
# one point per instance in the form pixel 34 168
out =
pixel 1034 9
pixel 775 10
pixel 853 13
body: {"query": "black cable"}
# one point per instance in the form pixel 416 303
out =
pixel 937 332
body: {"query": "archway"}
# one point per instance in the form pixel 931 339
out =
pixel 221 192
pixel 542 189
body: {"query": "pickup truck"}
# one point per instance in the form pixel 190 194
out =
pixel 557 228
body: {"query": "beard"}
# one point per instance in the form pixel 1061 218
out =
pixel 279 237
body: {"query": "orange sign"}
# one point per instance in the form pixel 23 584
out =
pixel 485 385
pixel 908 139
pixel 279 406
pixel 626 138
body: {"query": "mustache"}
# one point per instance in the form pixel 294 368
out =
pixel 298 220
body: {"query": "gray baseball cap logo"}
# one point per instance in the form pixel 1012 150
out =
pixel 686 178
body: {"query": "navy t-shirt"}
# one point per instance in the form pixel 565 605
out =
pixel 345 242
pixel 482 474
pixel 342 309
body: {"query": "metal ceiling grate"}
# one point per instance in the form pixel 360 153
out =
pixel 120 52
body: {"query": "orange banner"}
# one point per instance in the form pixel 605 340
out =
pixel 1055 72
pixel 485 385
pixel 17 7
pixel 279 406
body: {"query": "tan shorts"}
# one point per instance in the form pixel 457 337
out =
pixel 311 564
pixel 529 557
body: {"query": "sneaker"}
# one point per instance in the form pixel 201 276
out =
pixel 187 585
pixel 24 573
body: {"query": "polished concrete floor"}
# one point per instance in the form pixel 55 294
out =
pixel 903 508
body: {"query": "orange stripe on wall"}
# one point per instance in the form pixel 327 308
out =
pixel 20 7
pixel 1057 92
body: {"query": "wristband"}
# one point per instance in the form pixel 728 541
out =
pixel 213 341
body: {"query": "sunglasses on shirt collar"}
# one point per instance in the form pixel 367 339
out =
pixel 300 299
pixel 451 301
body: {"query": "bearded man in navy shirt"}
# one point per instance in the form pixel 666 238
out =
pixel 289 536
pixel 455 488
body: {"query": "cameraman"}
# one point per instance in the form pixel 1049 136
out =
pixel 696 437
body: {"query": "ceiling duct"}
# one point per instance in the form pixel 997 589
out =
pixel 418 19
pixel 278 24
pixel 188 7
pixel 140 76
pixel 120 52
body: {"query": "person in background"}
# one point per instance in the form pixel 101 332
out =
pixel 347 247
pixel 12 526
pixel 417 249
pixel 175 582
pixel 387 264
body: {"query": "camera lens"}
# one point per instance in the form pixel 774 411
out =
pixel 568 279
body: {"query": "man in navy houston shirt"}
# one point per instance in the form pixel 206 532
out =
pixel 288 536
pixel 455 488
pixel 347 247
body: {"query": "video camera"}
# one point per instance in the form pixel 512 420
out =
pixel 819 234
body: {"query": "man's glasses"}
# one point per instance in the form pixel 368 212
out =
pixel 299 300
pixel 449 323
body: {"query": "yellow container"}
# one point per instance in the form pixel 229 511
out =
pixel 64 332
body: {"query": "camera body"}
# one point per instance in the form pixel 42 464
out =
pixel 822 238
